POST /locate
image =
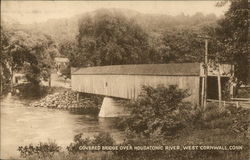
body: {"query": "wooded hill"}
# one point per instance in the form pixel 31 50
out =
pixel 67 28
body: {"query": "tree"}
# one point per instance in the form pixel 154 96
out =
pixel 232 34
pixel 184 45
pixel 108 38
pixel 159 51
pixel 30 53
pixel 70 50
pixel 4 71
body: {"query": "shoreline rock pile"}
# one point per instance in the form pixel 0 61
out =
pixel 68 100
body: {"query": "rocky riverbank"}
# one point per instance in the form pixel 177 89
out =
pixel 68 100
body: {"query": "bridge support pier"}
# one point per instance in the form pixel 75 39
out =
pixel 111 108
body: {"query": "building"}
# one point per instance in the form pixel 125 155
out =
pixel 61 63
pixel 126 81
pixel 19 78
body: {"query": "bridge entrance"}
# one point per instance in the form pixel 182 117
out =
pixel 212 87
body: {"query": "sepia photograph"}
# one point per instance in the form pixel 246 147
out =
pixel 125 80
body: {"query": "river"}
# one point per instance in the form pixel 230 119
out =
pixel 23 125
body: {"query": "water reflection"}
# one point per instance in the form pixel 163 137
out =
pixel 22 125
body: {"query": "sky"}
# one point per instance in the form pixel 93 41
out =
pixel 27 12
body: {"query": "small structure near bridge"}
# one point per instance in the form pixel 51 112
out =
pixel 126 81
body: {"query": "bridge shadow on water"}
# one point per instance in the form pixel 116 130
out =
pixel 93 124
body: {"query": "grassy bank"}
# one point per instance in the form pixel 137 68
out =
pixel 206 137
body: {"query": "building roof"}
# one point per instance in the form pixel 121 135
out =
pixel 175 69
pixel 18 75
pixel 59 59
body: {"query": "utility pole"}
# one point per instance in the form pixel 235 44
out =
pixel 204 79
pixel 1 80
pixel 11 81
pixel 219 87
pixel 206 73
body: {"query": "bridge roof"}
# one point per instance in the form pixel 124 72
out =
pixel 175 69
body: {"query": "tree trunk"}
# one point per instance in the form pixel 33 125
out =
pixel 1 86
pixel 49 79
pixel 11 80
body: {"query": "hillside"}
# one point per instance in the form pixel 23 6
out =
pixel 67 28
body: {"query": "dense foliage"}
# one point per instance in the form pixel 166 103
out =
pixel 158 111
pixel 26 52
pixel 42 150
pixel 108 39
pixel 5 72
pixel 102 139
pixel 232 34
pixel 159 117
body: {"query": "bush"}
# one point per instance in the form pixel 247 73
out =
pixel 158 111
pixel 32 91
pixel 230 118
pixel 208 137
pixel 78 141
pixel 41 150
pixel 102 139
pixel 160 117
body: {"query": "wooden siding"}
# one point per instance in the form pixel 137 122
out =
pixel 129 86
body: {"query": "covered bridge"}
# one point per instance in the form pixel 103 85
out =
pixel 125 81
